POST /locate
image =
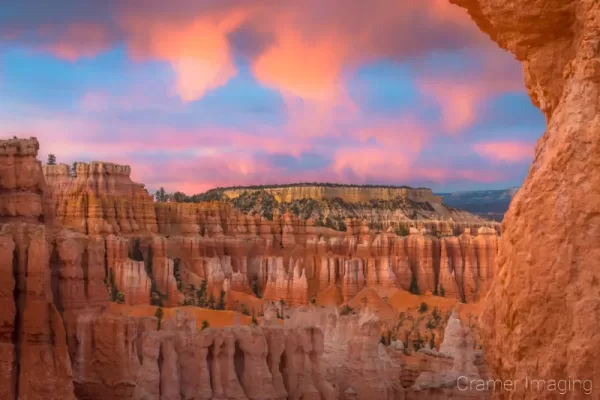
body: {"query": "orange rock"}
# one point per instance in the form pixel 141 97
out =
pixel 101 199
pixel 548 261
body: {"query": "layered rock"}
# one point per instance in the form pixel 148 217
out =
pixel 232 363
pixel 548 262
pixel 35 360
pixel 446 373
pixel 100 199
pixel 163 271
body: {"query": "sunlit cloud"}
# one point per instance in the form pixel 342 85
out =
pixel 506 151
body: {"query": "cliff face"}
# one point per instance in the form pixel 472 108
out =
pixel 100 199
pixel 286 258
pixel 543 308
pixel 233 363
pixel 35 361
pixel 347 193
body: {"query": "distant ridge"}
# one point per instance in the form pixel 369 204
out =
pixel 486 203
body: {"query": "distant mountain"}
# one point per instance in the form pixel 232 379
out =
pixel 486 203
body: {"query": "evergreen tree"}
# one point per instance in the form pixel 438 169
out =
pixel 51 159
pixel 201 294
pixel 159 314
pixel 221 303
pixel 414 286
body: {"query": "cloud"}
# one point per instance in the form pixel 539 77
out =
pixel 311 43
pixel 505 151
pixel 460 91
pixel 77 40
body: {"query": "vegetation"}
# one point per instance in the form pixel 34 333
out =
pixel 201 294
pixel 221 304
pixel 120 298
pixel 402 231
pixel 442 291
pixel 255 288
pixel 346 309
pixel 73 171
pixel 211 301
pixel 159 315
pixel 414 286
pixel 205 325
pixel 432 341
pixel 423 308
pixel 51 159
pixel 330 212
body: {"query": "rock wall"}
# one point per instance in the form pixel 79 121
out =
pixel 34 359
pixel 268 362
pixel 291 259
pixel 100 199
pixel 541 314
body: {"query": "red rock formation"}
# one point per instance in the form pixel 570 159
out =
pixel 35 360
pixel 423 255
pixel 101 199
pixel 542 310
pixel 163 272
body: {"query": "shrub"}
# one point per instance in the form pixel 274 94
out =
pixel 423 308
pixel 346 309
pixel 244 310
pixel 205 325
pixel 402 231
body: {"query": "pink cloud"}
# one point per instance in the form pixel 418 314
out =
pixel 312 46
pixel 76 40
pixel 460 94
pixel 505 151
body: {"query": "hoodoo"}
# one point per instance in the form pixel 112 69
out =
pixel 541 316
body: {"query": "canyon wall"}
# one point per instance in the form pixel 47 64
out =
pixel 542 313
pixel 34 360
pixel 66 273
pixel 289 258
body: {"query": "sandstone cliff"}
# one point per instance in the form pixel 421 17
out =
pixel 543 308
pixel 100 199
pixel 35 361
pixel 349 193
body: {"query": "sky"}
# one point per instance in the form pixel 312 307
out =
pixel 195 94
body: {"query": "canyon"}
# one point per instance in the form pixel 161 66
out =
pixel 124 297
pixel 100 285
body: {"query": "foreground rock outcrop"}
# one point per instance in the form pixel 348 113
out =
pixel 34 361
pixel 542 313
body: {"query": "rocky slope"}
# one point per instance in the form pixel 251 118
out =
pixel 542 314
pixel 330 205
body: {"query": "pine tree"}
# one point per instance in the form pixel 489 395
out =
pixel 51 159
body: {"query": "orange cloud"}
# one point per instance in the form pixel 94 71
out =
pixel 505 151
pixel 198 51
